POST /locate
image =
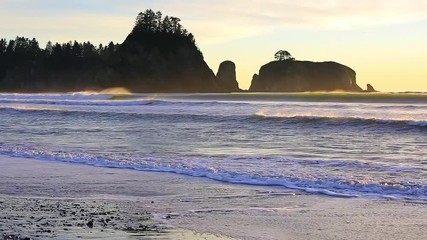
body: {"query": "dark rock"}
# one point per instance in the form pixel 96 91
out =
pixel 302 76
pixel 227 76
pixel 370 88
pixel 130 229
pixel 148 67
pixel 90 224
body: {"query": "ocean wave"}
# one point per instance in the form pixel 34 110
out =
pixel 165 116
pixel 349 97
pixel 404 190
pixel 79 102
pixel 55 96
pixel 295 117
pixel 118 103
pixel 259 117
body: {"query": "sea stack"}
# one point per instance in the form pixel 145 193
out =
pixel 227 76
pixel 304 76
pixel 370 88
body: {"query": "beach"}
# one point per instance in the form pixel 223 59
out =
pixel 154 205
pixel 213 166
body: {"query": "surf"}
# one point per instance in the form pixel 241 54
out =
pixel 336 187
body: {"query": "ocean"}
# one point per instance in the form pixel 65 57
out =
pixel 338 144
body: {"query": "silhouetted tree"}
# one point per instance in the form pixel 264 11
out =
pixel 67 49
pixel 150 21
pixel 57 50
pixel 49 48
pixel 34 48
pixel 77 49
pixel 10 47
pixel 166 25
pixel 89 50
pixel 111 47
pixel 3 45
pixel 158 21
pixel 175 25
pixel 146 21
pixel 283 55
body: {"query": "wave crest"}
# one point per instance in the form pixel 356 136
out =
pixel 328 117
pixel 329 186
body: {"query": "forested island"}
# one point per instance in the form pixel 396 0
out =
pixel 159 55
pixel 286 74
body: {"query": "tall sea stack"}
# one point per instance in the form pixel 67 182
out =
pixel 227 76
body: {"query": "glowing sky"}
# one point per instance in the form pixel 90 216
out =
pixel 384 41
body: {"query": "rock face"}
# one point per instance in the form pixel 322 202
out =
pixel 227 76
pixel 302 76
pixel 161 62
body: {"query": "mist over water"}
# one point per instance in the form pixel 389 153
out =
pixel 349 145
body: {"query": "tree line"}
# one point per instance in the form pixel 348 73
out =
pixel 23 51
pixel 22 55
pixel 150 21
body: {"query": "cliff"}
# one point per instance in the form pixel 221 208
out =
pixel 159 55
pixel 302 76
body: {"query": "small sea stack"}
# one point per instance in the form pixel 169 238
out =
pixel 370 88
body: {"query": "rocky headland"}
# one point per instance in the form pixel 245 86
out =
pixel 159 55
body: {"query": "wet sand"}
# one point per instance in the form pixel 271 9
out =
pixel 43 199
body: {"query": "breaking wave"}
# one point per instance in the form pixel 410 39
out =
pixel 328 186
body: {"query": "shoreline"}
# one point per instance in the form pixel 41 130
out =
pixel 192 208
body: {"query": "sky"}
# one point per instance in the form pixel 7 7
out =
pixel 384 41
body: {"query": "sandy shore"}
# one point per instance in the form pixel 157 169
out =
pixel 42 199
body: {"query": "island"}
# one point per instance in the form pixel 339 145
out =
pixel 288 75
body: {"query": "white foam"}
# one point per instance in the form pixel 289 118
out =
pixel 330 187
